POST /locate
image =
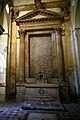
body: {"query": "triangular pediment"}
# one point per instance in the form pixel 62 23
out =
pixel 39 15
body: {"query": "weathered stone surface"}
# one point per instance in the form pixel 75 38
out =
pixel 41 55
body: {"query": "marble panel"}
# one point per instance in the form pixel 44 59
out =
pixel 41 55
pixel 44 91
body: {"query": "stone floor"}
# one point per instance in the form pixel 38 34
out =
pixel 14 111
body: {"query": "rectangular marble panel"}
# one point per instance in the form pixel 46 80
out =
pixel 41 55
pixel 42 92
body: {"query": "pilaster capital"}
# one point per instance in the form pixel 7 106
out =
pixel 22 32
pixel 58 29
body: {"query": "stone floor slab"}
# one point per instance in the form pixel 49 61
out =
pixel 40 116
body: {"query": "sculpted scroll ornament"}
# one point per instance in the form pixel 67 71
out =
pixel 22 32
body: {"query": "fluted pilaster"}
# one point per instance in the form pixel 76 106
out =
pixel 22 57
pixel 54 53
pixel 59 51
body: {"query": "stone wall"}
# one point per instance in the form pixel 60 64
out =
pixel 3 55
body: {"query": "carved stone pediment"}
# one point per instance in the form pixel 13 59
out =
pixel 39 15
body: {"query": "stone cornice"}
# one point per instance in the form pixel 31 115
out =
pixel 38 20
pixel 48 16
pixel 55 4
pixel 36 12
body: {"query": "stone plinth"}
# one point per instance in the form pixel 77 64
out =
pixel 20 91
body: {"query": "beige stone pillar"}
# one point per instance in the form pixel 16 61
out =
pixel 59 51
pixel 22 57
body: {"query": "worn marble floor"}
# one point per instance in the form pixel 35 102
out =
pixel 13 111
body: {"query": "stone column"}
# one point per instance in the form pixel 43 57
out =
pixel 22 57
pixel 59 51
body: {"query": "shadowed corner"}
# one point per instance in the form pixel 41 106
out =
pixel 26 116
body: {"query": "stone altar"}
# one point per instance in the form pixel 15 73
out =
pixel 47 31
pixel 38 90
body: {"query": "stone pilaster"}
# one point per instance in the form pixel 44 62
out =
pixel 22 57
pixel 11 58
pixel 54 52
pixel 59 51
pixel 27 56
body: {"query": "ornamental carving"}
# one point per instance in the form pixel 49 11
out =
pixel 66 9
pixel 41 91
pixel 39 4
pixel 59 29
pixel 22 32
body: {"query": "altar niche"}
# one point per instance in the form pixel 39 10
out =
pixel 40 55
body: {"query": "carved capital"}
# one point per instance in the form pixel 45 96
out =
pixel 22 32
pixel 58 30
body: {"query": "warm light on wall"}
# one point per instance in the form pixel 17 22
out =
pixel 7 8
